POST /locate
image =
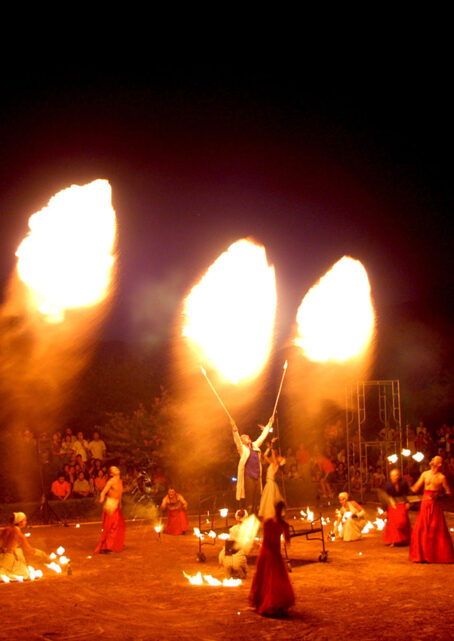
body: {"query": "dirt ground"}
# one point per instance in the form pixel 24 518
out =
pixel 364 591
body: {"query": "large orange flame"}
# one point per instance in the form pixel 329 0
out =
pixel 66 259
pixel 229 315
pixel 336 318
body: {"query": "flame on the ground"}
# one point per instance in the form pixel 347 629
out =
pixel 66 259
pixel 60 550
pixel 308 515
pixel 229 315
pixel 336 318
pixel 54 566
pixel 197 579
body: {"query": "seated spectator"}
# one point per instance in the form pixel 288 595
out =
pixel 290 458
pixel 56 446
pixel 81 487
pixel 60 488
pixel 80 446
pixel 66 449
pixel 293 473
pixel 378 478
pixel 81 463
pixel 72 474
pixel 69 432
pixel 97 447
pixel 99 482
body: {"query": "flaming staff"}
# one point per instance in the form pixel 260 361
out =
pixel 217 395
pixel 284 371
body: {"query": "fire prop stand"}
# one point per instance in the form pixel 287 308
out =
pixel 208 525
pixel 316 528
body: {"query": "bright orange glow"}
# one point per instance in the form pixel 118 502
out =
pixel 229 315
pixel 336 319
pixel 66 259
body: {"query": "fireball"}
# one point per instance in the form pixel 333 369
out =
pixel 66 260
pixel 229 315
pixel 336 318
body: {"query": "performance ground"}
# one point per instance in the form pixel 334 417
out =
pixel 364 591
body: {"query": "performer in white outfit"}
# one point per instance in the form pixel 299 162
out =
pixel 14 548
pixel 350 519
pixel 249 475
pixel 271 494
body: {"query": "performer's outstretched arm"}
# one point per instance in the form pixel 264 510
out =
pixel 265 432
pixel 236 437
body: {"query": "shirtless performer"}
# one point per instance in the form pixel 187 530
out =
pixel 430 539
pixel 14 546
pixel 113 523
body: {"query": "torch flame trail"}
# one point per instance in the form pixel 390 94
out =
pixel 66 259
pixel 229 315
pixel 336 318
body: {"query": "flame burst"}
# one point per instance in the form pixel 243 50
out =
pixel 66 259
pixel 229 314
pixel 336 318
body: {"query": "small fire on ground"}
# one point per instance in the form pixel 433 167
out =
pixel 207 579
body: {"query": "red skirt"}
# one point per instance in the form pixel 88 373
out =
pixel 397 528
pixel 430 539
pixel 177 522
pixel 271 590
pixel 113 532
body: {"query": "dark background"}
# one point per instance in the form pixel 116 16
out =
pixel 200 156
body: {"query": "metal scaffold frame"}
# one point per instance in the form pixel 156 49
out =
pixel 356 414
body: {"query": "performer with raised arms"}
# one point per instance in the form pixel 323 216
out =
pixel 249 474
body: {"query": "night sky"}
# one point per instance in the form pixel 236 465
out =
pixel 199 157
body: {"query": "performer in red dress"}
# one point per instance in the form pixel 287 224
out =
pixel 397 529
pixel 430 539
pixel 113 523
pixel 177 519
pixel 271 591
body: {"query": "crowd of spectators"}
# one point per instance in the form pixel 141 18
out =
pixel 326 465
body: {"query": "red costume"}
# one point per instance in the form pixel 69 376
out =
pixel 113 532
pixel 430 539
pixel 397 528
pixel 271 590
pixel 177 519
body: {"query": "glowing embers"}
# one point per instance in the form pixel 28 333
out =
pixel 229 315
pixel 66 259
pixel 336 318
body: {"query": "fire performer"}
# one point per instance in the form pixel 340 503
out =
pixel 397 529
pixel 113 523
pixel 350 519
pixel 249 474
pixel 271 591
pixel 233 556
pixel 14 547
pixel 271 494
pixel 176 506
pixel 430 539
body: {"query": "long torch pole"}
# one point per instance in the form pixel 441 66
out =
pixel 280 389
pixel 217 395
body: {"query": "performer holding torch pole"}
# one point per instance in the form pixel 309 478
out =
pixel 249 474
